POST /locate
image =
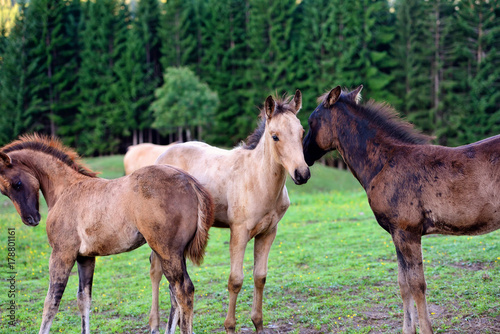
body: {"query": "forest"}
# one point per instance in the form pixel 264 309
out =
pixel 92 72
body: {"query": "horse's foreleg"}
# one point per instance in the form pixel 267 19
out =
pixel 262 247
pixel 412 281
pixel 86 267
pixel 60 265
pixel 237 246
pixel 155 273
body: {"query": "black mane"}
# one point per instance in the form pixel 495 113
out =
pixel 385 117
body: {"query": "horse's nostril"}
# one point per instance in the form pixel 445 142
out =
pixel 307 175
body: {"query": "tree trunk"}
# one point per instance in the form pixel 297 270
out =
pixel 199 132
pixel 141 136
pixel 134 137
pixel 179 134
pixel 188 134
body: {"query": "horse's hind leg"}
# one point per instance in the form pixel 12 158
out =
pixel 86 267
pixel 412 281
pixel 181 294
pixel 261 253
pixel 155 273
pixel 60 265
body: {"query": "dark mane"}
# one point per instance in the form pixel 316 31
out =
pixel 386 118
pixel 51 146
pixel 282 106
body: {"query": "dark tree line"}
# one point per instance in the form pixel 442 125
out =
pixel 88 71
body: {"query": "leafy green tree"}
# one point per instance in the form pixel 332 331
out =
pixel 183 103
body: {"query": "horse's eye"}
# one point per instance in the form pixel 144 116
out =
pixel 17 185
pixel 275 138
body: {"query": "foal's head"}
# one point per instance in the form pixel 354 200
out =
pixel 322 136
pixel 284 131
pixel 22 187
pixel 21 176
pixel 340 114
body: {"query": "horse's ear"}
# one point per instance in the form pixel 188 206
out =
pixel 297 99
pixel 355 95
pixel 5 160
pixel 269 106
pixel 333 96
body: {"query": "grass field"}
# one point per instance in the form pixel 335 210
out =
pixel 332 269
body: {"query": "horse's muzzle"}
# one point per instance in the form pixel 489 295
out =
pixel 301 176
pixel 32 221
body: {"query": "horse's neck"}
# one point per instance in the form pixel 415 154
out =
pixel 365 152
pixel 53 175
pixel 271 173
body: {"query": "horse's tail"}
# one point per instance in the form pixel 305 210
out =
pixel 195 250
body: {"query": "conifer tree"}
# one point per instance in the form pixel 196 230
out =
pixel 145 36
pixel 98 125
pixel 223 67
pixel 412 51
pixel 13 73
pixel 477 55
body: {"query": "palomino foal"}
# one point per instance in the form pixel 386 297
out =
pixel 248 188
pixel 90 217
pixel 142 155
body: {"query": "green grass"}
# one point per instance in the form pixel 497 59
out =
pixel 332 269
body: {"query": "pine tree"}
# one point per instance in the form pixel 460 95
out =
pixel 317 49
pixel 223 67
pixel 477 55
pixel 99 122
pixel 178 42
pixel 146 38
pixel 13 87
pixel 413 52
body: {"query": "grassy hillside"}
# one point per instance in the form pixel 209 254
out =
pixel 332 269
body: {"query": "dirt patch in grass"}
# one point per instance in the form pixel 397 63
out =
pixel 472 266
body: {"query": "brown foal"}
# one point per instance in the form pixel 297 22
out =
pixel 90 217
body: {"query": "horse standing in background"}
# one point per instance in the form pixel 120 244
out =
pixel 90 217
pixel 248 188
pixel 142 155
pixel 413 188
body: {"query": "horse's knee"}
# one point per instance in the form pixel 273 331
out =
pixel 235 283
pixel 260 282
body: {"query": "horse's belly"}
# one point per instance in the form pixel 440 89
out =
pixel 102 245
pixel 466 222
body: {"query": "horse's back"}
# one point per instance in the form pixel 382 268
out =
pixel 142 155
pixel 121 214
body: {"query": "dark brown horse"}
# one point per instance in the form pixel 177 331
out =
pixel 90 217
pixel 413 188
